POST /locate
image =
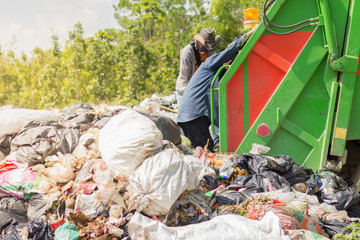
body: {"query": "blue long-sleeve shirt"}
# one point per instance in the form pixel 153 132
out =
pixel 196 100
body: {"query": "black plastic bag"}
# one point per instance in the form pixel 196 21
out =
pixel 260 163
pixel 5 143
pixel 210 182
pixel 345 199
pixel 12 209
pixel 239 161
pixel 296 174
pixel 252 183
pixel 354 211
pixel 37 230
pixel 277 181
pixel 333 227
pixel 336 182
pixel 169 129
pixel 335 190
pixel 263 182
pixel 37 207
pixel 197 219
pixel 230 197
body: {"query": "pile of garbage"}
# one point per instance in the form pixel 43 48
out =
pixel 126 173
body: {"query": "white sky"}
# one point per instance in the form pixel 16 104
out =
pixel 25 24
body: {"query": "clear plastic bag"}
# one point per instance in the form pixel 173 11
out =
pixel 59 169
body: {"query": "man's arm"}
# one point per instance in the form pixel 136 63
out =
pixel 186 68
pixel 230 52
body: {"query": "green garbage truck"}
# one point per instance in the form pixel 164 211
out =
pixel 295 86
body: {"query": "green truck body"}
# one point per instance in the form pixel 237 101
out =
pixel 296 89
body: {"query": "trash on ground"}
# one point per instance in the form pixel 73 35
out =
pixel 114 172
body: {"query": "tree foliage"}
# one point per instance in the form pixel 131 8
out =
pixel 117 66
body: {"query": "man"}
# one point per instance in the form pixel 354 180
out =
pixel 194 110
pixel 192 55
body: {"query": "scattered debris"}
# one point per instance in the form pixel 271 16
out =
pixel 113 173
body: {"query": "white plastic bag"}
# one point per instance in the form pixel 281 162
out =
pixel 222 227
pixel 12 120
pixel 127 140
pixel 159 181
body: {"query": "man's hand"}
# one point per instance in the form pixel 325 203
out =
pixel 248 34
pixel 228 63
pixel 252 30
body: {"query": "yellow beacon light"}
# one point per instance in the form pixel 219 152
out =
pixel 251 18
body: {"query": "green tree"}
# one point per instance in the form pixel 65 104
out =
pixel 134 70
pixel 73 60
pixel 165 27
pixel 227 17
pixel 102 58
pixel 117 65
pixel 52 77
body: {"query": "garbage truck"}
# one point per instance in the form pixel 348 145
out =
pixel 295 86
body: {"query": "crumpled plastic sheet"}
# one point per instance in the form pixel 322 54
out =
pixel 281 195
pixel 354 211
pixel 87 148
pixel 287 220
pixel 38 140
pixel 326 212
pixel 222 227
pixel 95 203
pixel 310 199
pixel 78 115
pixel 191 207
pixel 76 109
pixel 39 204
pixel 169 129
pixel 342 199
pixel 296 174
pixel 59 169
pixel 262 182
pixel 333 226
pixel 12 120
pixel 12 208
pixel 34 230
pixel 5 143
pixel 259 163
pixel 259 149
pixel 297 209
pixel 230 197
pixel 335 191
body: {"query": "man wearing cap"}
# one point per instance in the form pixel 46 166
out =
pixel 194 110
pixel 192 55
